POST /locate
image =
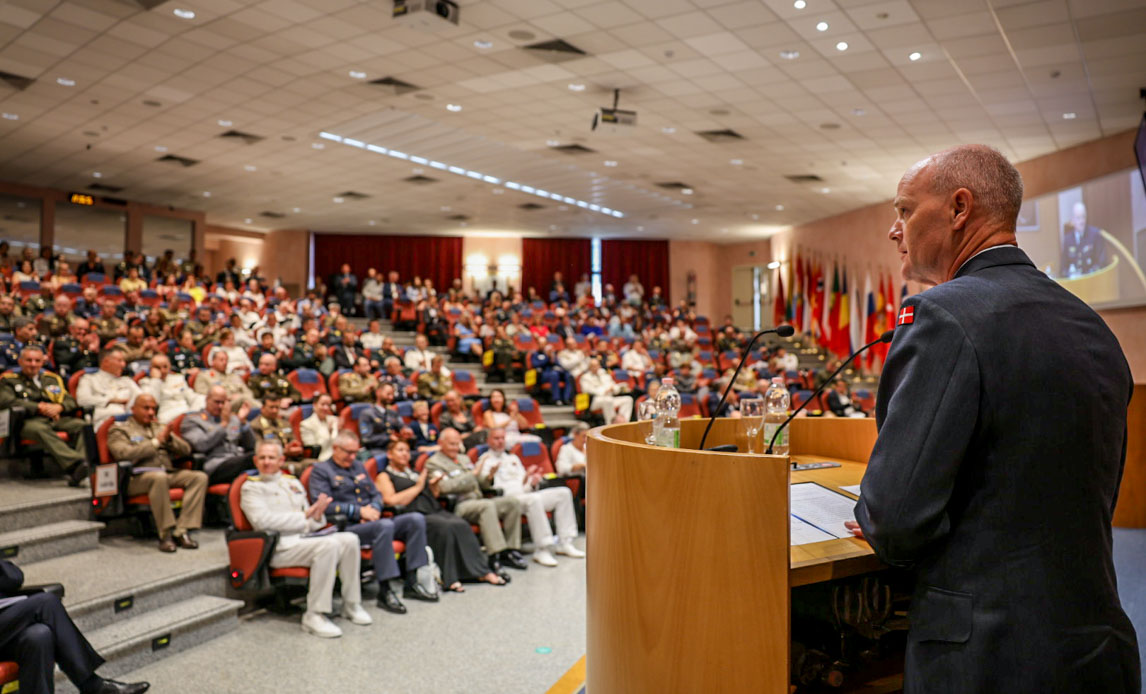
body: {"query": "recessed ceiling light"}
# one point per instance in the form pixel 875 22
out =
pixel 799 4
pixel 789 55
pixel 825 191
pixel 610 163
pixel 915 56
pixel 11 116
pixel 553 143
pixel 668 130
pixel 822 26
pixel 206 193
pixel 696 221
pixel 453 107
pixel 225 123
pixel 842 46
pixel 339 200
pixel 1069 115
pixel 576 87
pixel 247 220
pixel 97 174
pixel 736 162
pixel 358 74
pixel 317 145
pixel 182 13
pixel 372 222
pixel 296 210
pixel 754 216
pixel 445 208
pixel 858 112
pixel 160 148
pixel 249 167
pixel 499 191
pixel 64 81
pixel 483 44
pixel 686 191
pixel 779 208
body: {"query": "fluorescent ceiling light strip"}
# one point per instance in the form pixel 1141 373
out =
pixel 476 175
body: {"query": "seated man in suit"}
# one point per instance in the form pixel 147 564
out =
pixel 346 352
pixel 354 496
pixel 37 633
pixel 381 424
pixel 840 400
pixel 223 438
pixel 274 500
pixel 450 474
pixel 47 407
pixel 403 389
pixel 146 444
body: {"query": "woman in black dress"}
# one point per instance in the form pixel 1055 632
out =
pixel 456 548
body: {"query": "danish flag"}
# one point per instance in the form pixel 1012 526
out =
pixel 906 315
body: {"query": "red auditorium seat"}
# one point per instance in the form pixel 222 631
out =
pixel 250 551
pixel 309 383
pixel 102 505
pixel 464 383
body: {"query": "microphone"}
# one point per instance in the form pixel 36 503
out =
pixel 886 337
pixel 782 331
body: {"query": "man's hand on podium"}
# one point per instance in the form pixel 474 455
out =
pixel 855 529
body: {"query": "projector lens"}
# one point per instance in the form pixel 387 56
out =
pixel 443 9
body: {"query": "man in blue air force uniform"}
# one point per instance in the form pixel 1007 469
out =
pixel 1002 436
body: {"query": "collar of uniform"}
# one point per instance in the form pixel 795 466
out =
pixel 991 257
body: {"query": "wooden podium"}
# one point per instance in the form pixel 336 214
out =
pixel 689 563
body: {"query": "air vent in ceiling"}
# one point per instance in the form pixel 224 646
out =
pixel 395 86
pixel 804 178
pixel 420 180
pixel 18 81
pixel 573 149
pixel 353 195
pixel 720 135
pixel 531 206
pixel 555 51
pixel 248 138
pixel 173 159
pixel 272 215
pixel 673 185
pixel 104 188
pixel 459 217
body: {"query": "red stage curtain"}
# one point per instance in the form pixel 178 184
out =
pixel 648 260
pixel 542 257
pixel 438 258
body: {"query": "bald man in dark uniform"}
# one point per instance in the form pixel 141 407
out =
pixel 1002 437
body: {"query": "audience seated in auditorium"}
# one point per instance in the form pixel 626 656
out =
pixel 267 382
pixel 380 424
pixel 238 394
pixel 372 338
pixel 276 501
pixel 608 395
pixel 43 399
pixel 78 349
pixel 504 471
pixel 425 433
pixel 223 439
pixel 498 518
pixel 170 390
pixel 571 457
pixel 506 414
pixel 840 401
pixel 419 356
pixel 270 425
pixel 108 390
pixel 358 385
pixel 152 449
pixel 435 381
pixel 355 498
pixel 457 416
pixel 394 376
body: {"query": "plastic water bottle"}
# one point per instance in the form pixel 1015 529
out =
pixel 776 403
pixel 668 415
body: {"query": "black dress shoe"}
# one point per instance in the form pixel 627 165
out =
pixel 417 592
pixel 390 602
pixel 517 555
pixel 185 542
pixel 77 474
pixel 513 562
pixel 166 545
pixel 113 687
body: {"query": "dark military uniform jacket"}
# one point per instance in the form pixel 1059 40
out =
pixel 70 356
pixel 108 328
pixel 349 488
pixel 136 352
pixel 1002 438
pixel 433 386
pixel 303 357
pixel 53 325
pixel 35 305
pixel 19 391
pixel 273 429
pixel 199 329
pixel 6 322
pixel 356 388
pixel 183 359
pixel 273 385
pixel 10 352
pixel 376 424
pixel 130 440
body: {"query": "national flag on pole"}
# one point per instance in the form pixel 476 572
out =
pixel 797 293
pixel 856 320
pixel 778 306
pixel 830 292
pixel 841 329
pixel 817 303
pixel 788 317
pixel 806 298
pixel 868 317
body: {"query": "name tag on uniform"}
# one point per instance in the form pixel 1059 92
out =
pixel 455 473
pixel 136 439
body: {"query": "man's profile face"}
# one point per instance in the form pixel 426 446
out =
pixel 921 233
pixel 114 363
pixel 219 362
pixel 26 333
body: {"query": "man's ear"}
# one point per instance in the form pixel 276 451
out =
pixel 962 200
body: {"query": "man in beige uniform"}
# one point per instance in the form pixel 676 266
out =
pixel 358 385
pixel 237 390
pixel 141 440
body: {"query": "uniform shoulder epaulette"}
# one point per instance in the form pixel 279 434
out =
pixel 49 374
pixel 203 415
pixel 289 476
pixel 10 374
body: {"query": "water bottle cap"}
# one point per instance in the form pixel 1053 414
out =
pixel 778 380
pixel 667 382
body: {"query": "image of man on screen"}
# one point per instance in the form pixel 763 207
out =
pixel 1083 248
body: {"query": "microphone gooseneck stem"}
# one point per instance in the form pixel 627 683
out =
pixel 886 337
pixel 743 358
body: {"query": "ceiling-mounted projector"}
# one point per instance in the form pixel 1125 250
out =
pixel 429 15
pixel 613 116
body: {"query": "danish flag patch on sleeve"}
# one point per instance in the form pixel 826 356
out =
pixel 906 316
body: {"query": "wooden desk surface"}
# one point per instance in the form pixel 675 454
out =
pixel 822 561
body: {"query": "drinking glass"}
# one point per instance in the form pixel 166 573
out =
pixel 752 414
pixel 647 414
